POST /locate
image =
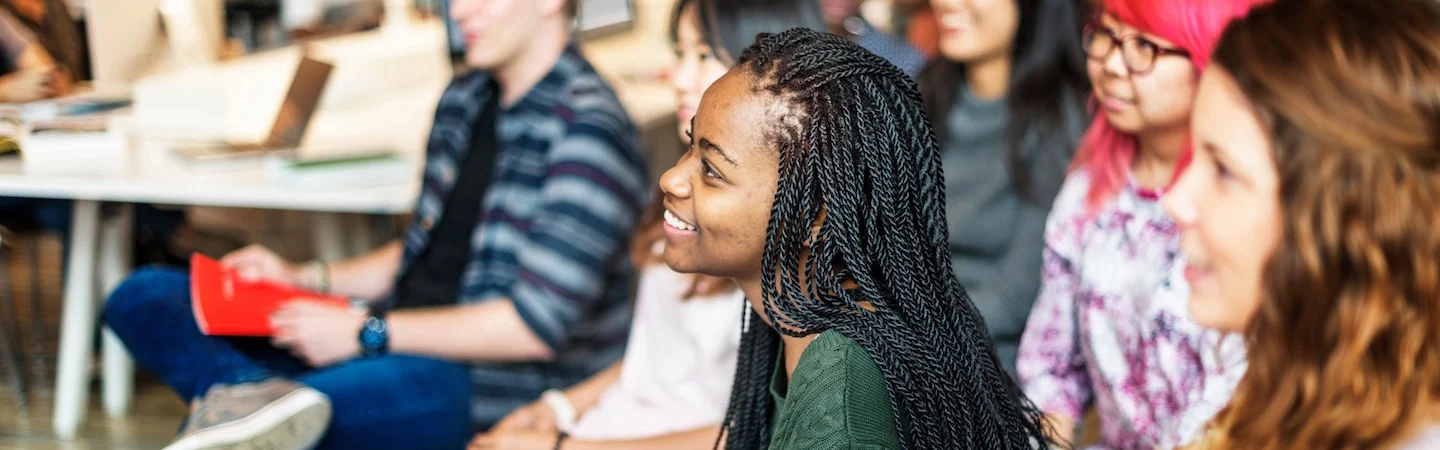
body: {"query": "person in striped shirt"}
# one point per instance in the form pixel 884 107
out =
pixel 513 279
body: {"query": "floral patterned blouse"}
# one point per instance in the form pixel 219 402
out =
pixel 1110 327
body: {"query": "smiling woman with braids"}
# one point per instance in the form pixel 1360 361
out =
pixel 813 180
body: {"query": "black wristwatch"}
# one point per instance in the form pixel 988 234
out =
pixel 374 336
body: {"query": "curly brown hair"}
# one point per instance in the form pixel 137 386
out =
pixel 1345 345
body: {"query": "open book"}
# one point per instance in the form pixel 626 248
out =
pixel 226 305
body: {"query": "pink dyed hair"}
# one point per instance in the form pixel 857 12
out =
pixel 1193 25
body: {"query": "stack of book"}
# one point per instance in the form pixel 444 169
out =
pixel 70 145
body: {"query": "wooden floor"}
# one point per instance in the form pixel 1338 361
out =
pixel 152 422
pixel 156 413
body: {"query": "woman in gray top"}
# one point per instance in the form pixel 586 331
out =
pixel 1007 97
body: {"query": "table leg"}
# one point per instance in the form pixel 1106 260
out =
pixel 329 229
pixel 116 239
pixel 77 322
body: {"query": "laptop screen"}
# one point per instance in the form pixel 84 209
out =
pixel 300 103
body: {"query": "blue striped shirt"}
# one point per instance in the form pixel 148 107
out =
pixel 555 224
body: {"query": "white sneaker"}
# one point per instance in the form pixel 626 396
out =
pixel 275 414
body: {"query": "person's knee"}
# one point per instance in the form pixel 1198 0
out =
pixel 145 290
pixel 395 401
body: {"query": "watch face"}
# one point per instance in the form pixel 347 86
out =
pixel 373 337
pixel 371 340
pixel 375 324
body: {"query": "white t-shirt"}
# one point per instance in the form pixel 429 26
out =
pixel 679 364
pixel 1426 438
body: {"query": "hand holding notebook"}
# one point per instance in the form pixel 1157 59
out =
pixel 227 304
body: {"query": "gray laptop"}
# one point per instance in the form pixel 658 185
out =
pixel 294 116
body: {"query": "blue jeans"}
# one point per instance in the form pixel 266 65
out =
pixel 384 402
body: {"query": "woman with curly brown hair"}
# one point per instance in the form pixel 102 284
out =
pixel 1311 217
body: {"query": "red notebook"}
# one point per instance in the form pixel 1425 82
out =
pixel 226 305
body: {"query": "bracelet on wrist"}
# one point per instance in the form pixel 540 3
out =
pixel 565 413
pixel 319 276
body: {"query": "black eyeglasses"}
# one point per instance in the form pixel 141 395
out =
pixel 1139 53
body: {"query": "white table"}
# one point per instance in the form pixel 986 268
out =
pixel 98 253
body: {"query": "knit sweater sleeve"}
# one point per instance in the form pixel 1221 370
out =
pixel 837 400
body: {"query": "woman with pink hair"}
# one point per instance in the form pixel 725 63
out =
pixel 1110 327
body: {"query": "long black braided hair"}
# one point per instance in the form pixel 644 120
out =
pixel 857 156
